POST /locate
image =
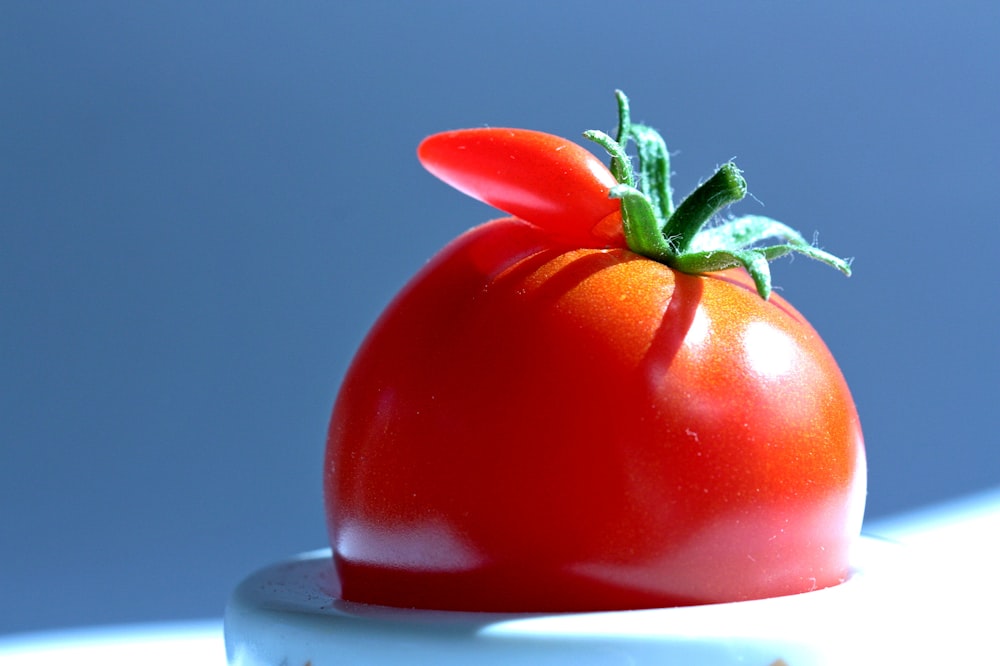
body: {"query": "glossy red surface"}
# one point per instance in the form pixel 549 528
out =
pixel 534 428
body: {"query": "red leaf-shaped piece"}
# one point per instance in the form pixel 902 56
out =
pixel 543 179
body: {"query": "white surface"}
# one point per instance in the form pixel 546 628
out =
pixel 957 545
pixel 196 643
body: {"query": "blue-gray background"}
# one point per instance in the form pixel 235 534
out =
pixel 203 206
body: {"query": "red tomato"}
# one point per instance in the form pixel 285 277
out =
pixel 541 423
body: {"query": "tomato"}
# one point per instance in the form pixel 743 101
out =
pixel 546 420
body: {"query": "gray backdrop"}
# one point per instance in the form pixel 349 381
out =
pixel 203 206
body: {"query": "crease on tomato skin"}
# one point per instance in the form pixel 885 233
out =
pixel 495 247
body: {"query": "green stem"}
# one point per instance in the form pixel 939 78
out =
pixel 654 169
pixel 643 229
pixel 624 119
pixel 727 186
pixel 676 237
pixel 621 168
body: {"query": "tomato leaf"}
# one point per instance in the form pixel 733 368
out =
pixel 750 230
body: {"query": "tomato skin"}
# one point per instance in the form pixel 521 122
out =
pixel 532 426
pixel 544 179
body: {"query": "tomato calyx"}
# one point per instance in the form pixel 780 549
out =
pixel 678 236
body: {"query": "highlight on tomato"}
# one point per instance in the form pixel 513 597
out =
pixel 593 404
